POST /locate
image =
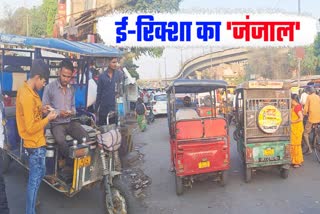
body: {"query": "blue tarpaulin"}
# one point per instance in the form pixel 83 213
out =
pixel 88 49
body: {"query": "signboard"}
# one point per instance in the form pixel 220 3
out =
pixel 295 90
pixel 300 52
pixel 265 84
pixel 269 119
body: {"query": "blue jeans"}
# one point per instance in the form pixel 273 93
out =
pixel 37 170
pixel 3 197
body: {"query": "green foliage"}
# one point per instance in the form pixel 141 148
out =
pixel 148 6
pixel 38 26
pixel 50 8
pixel 132 68
pixel 152 6
pixel 270 63
pixel 316 50
pixel 18 17
pixel 308 64
pixel 317 46
pixel 153 52
pixel 155 5
pixel 310 61
pixel 40 20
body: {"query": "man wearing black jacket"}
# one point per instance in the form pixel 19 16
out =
pixel 107 90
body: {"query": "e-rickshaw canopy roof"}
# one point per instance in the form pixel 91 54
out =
pixel 82 48
pixel 195 86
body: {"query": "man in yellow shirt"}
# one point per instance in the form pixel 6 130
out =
pixel 312 110
pixel 31 126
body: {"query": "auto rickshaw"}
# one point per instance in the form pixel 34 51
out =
pixel 93 160
pixel 200 145
pixel 262 112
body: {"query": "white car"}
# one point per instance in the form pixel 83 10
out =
pixel 159 104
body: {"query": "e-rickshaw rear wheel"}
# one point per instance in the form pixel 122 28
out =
pixel 247 174
pixel 120 198
pixel 223 178
pixel 284 173
pixel 5 161
pixel 179 185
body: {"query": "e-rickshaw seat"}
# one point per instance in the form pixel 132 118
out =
pixel 205 111
pixel 186 114
pixel 189 129
pixel 215 127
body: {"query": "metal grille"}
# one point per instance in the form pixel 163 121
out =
pixel 96 167
pixel 253 107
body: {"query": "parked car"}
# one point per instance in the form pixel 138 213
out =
pixel 159 104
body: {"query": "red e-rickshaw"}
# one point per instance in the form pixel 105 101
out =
pixel 200 145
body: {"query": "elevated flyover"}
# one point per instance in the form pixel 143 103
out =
pixel 206 61
pixel 201 63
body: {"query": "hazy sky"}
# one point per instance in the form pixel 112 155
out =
pixel 14 4
pixel 153 68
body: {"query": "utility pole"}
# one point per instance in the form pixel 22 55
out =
pixel 299 59
pixel 27 24
pixel 211 70
pixel 299 70
pixel 165 70
pixel 24 5
pixel 181 58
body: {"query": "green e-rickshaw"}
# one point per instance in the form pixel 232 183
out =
pixel 262 111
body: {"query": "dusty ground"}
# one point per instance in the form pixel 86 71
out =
pixel 267 193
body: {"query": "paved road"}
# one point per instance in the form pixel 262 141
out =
pixel 267 193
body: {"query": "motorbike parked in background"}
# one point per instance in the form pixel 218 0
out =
pixel 150 116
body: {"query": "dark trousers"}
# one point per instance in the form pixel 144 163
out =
pixel 103 116
pixel 3 197
pixel 306 133
pixel 74 129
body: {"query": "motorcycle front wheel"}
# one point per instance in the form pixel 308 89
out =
pixel 119 198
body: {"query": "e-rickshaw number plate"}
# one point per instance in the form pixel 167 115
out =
pixel 204 164
pixel 268 152
pixel 83 162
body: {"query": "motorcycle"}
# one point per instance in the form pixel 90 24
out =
pixel 150 116
pixel 109 141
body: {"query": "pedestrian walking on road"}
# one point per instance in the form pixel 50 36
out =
pixel 140 114
pixel 296 131
pixel 145 97
pixel 29 112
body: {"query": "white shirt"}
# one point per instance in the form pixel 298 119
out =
pixel 186 114
pixel 303 98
